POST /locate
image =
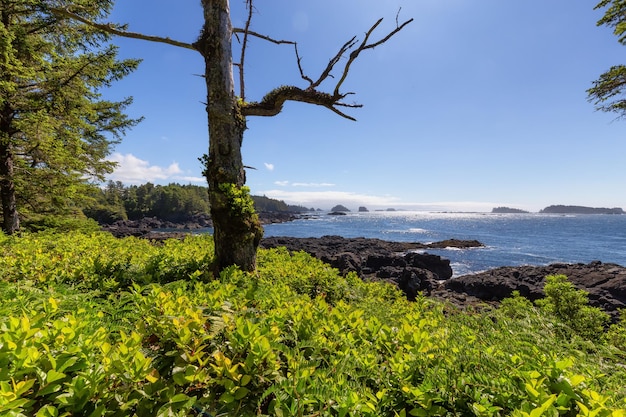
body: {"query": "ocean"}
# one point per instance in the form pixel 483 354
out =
pixel 509 239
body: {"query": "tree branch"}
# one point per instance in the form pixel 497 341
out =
pixel 273 102
pixel 244 45
pixel 364 45
pixel 264 37
pixel 116 29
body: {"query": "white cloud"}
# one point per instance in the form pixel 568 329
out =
pixel 327 199
pixel 312 184
pixel 304 184
pixel 268 166
pixel 132 170
pixel 186 179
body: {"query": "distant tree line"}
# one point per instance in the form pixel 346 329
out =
pixel 172 202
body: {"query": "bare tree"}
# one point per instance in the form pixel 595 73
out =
pixel 237 230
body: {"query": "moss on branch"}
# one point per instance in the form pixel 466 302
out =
pixel 272 103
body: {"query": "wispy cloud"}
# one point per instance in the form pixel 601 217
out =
pixel 312 184
pixel 304 184
pixel 133 170
pixel 268 166
pixel 326 199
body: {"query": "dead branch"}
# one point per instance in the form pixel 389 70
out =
pixel 273 102
pixel 117 30
pixel 242 59
pixel 264 37
pixel 364 45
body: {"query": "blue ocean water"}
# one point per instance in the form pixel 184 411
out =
pixel 510 239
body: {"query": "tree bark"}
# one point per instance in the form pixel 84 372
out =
pixel 10 217
pixel 237 230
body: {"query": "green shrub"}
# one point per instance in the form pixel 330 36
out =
pixel 616 334
pixel 61 224
pixel 306 275
pixel 571 306
pixel 294 339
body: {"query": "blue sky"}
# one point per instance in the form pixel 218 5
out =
pixel 475 104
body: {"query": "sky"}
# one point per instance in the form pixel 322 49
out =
pixel 475 104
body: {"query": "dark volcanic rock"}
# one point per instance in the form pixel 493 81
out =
pixel 378 259
pixel 398 263
pixel 268 217
pixel 152 227
pixel 605 283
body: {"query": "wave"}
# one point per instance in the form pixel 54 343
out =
pixel 416 230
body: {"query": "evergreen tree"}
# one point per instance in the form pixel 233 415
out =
pixel 608 91
pixel 55 128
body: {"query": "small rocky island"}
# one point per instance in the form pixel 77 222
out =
pixel 561 209
pixel 508 210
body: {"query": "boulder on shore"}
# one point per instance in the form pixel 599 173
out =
pixel 605 283
pixel 413 272
pixel 155 228
pixel 375 259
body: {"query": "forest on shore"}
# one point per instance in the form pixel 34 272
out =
pixel 173 202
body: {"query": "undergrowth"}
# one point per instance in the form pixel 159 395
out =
pixel 91 325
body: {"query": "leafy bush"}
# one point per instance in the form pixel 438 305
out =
pixel 60 224
pixel 121 336
pixel 571 307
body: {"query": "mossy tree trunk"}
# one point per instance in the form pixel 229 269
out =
pixel 237 230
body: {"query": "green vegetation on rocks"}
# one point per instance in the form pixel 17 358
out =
pixel 91 325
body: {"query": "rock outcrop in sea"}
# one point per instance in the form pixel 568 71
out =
pixel 375 259
pixel 508 210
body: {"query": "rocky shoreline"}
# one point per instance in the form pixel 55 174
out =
pixel 413 270
pixel 157 229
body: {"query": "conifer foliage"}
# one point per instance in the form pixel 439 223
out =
pixel 55 127
pixel 607 93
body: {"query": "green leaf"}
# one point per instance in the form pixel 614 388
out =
pixel 241 392
pixel 47 411
pixel 53 375
pixel 538 412
pixel 245 380
pixel 179 398
pixel 227 398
